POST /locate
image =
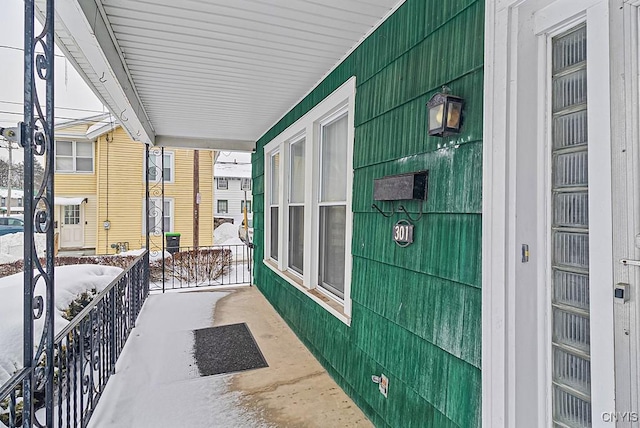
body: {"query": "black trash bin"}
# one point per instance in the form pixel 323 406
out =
pixel 173 242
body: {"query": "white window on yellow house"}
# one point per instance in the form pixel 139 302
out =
pixel 157 215
pixel 157 170
pixel 74 156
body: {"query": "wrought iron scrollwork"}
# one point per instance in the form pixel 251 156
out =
pixel 155 180
pixel 36 138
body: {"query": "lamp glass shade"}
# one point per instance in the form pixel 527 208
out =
pixel 436 113
pixel 453 116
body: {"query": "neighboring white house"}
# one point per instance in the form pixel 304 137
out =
pixel 232 172
pixel 16 201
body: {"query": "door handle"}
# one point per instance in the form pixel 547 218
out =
pixel 628 262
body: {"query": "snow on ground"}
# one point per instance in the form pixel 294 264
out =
pixel 70 281
pixel 157 382
pixel 11 246
pixel 225 232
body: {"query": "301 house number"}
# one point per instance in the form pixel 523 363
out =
pixel 403 233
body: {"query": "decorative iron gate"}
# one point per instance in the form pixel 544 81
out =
pixel 177 267
pixel 35 381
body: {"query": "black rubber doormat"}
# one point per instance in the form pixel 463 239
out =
pixel 226 349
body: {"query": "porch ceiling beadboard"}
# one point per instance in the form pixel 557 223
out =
pixel 209 73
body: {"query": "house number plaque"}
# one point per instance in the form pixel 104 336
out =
pixel 403 233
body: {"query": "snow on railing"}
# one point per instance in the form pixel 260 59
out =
pixel 85 353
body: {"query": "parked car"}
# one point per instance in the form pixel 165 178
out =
pixel 242 233
pixel 11 225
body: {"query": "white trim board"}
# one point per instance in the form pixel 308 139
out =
pixel 513 29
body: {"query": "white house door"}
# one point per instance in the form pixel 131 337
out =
pixel 72 227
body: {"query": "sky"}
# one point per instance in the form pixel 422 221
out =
pixel 73 98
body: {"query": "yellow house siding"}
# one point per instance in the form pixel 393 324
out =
pixel 181 192
pixel 90 216
pixel 115 192
pixel 77 130
pixel 120 191
pixel 79 185
pixel 206 197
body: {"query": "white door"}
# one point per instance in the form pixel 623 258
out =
pixel 72 227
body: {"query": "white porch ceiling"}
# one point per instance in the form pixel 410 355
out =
pixel 209 73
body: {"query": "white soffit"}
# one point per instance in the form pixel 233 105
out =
pixel 209 73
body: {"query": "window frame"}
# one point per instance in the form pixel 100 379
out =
pixel 309 126
pixel 298 139
pixel 219 211
pixel 270 205
pixel 220 180
pixel 322 124
pixel 171 216
pixel 243 184
pixel 172 168
pixel 74 157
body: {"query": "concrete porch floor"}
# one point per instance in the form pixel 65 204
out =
pixel 294 391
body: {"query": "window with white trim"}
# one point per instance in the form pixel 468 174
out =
pixel 157 215
pixel 332 206
pixel 157 171
pixel 223 206
pixel 245 184
pixel 223 183
pixel 296 206
pixel 274 202
pixel 308 191
pixel 74 156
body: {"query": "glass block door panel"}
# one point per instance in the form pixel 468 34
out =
pixel 570 324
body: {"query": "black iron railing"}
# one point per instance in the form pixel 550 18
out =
pixel 84 354
pixel 189 267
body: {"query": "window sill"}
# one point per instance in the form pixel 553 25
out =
pixel 330 305
pixel 74 172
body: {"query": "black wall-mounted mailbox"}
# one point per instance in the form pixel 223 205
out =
pixel 401 187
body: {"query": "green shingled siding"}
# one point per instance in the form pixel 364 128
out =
pixel 416 310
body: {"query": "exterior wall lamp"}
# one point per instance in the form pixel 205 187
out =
pixel 443 105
